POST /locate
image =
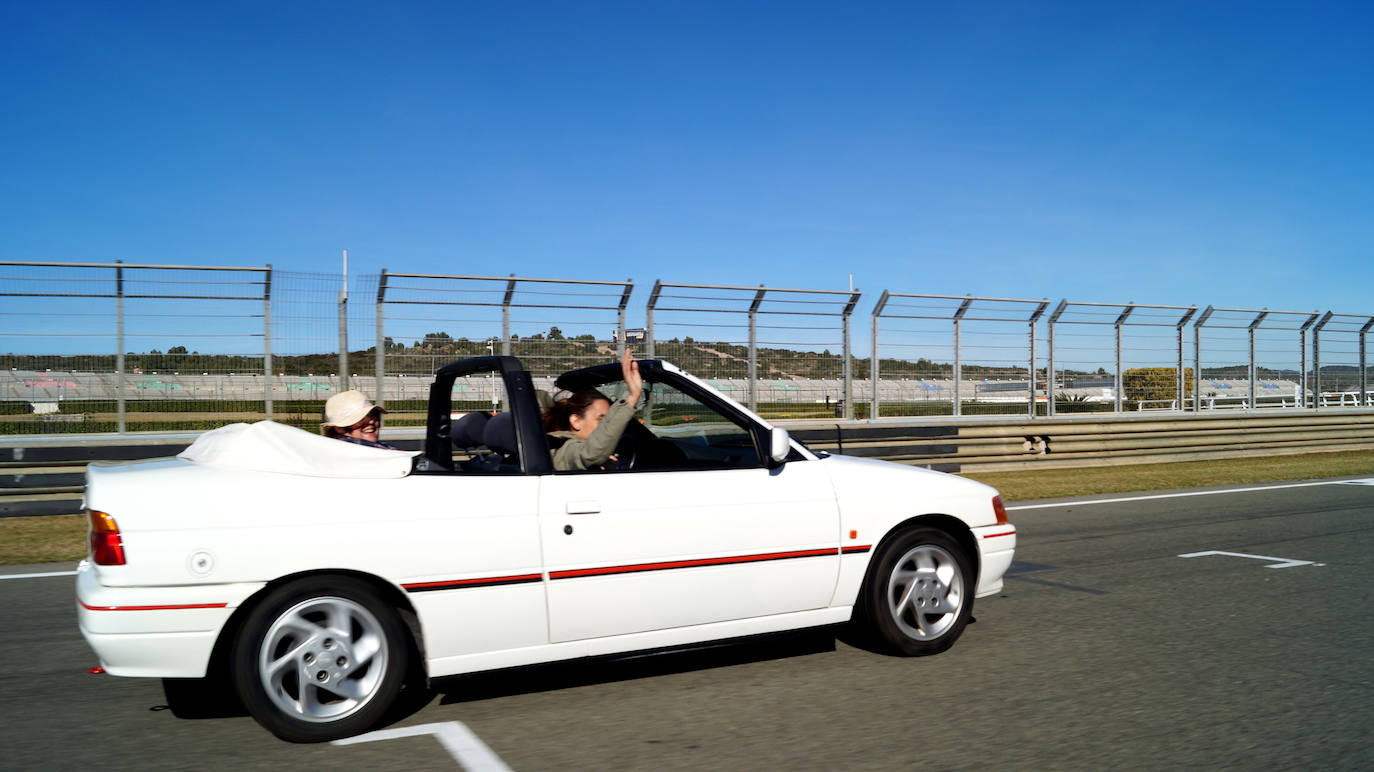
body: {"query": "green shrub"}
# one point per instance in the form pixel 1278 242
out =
pixel 1155 383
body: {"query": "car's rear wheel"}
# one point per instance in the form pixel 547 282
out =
pixel 320 659
pixel 919 593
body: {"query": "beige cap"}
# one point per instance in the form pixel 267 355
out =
pixel 347 408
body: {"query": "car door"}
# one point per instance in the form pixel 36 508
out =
pixel 707 534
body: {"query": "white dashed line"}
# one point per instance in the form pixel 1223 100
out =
pixel 465 747
pixel 1190 493
pixel 1274 562
pixel 36 576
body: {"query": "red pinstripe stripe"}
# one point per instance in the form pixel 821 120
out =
pixel 169 607
pixel 995 535
pixel 576 572
pixel 488 580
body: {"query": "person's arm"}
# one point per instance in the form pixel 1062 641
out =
pixel 634 383
pixel 596 449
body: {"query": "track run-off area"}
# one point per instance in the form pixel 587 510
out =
pixel 1217 628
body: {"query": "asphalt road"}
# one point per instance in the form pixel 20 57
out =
pixel 1106 650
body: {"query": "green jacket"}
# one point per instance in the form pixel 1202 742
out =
pixel 579 454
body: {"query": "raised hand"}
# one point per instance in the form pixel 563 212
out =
pixel 629 368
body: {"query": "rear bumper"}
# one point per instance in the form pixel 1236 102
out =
pixel 997 544
pixel 160 632
pixel 155 655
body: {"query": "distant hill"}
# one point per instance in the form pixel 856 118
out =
pixel 551 353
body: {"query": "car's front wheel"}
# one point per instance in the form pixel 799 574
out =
pixel 320 659
pixel 919 593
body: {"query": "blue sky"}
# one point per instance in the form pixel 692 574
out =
pixel 1174 153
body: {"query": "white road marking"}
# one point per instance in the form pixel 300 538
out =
pixel 1280 562
pixel 35 576
pixel 464 746
pixel 1191 493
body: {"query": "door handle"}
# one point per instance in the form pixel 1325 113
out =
pixel 583 507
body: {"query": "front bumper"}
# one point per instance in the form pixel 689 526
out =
pixel 160 632
pixel 997 543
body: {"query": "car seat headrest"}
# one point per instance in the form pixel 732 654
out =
pixel 499 433
pixel 467 431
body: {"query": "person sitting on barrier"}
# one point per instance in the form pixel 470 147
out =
pixel 590 424
pixel 350 417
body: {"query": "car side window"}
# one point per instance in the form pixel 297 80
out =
pixel 690 434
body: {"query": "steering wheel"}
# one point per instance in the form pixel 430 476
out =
pixel 626 451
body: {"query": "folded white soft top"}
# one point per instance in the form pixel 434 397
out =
pixel 267 446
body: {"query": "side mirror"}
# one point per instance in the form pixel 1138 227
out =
pixel 779 446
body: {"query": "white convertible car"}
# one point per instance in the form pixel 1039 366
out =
pixel 319 577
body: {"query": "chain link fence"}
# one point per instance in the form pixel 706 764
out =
pixel 1138 351
pixel 1252 358
pixel 954 355
pixel 785 353
pixel 1338 350
pixel 118 347
pixel 425 321
pixel 123 347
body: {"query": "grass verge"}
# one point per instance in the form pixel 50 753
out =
pixel 1055 483
pixel 63 538
pixel 49 539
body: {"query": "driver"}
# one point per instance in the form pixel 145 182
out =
pixel 590 424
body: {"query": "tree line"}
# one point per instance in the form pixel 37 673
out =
pixel 552 352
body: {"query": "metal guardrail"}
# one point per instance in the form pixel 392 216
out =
pixel 1000 444
pixel 41 476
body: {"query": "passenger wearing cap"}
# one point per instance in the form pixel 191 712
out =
pixel 348 416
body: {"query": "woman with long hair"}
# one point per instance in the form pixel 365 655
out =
pixel 589 424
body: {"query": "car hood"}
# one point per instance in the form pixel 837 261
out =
pixel 872 483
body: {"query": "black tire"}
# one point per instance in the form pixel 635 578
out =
pixel 919 593
pixel 340 679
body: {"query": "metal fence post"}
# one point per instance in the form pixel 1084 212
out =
pixel 119 346
pixel 1364 373
pixel 620 318
pixel 873 357
pixel 1259 318
pixel 1197 357
pixel 1302 375
pixel 1119 384
pixel 380 358
pixel 958 371
pixel 505 316
pixel 1049 374
pixel 649 319
pixel 1180 384
pixel 1030 323
pixel 343 327
pixel 753 349
pixel 1317 359
pixel 846 370
pixel 267 341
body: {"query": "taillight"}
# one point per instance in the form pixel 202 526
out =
pixel 999 509
pixel 107 548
